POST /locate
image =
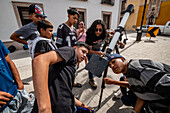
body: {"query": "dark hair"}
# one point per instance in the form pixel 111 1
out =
pixel 91 31
pixel 43 24
pixel 73 11
pixel 80 44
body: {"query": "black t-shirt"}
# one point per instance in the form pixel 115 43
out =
pixel 95 42
pixel 67 36
pixel 61 79
pixel 42 46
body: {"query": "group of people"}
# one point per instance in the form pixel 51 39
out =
pixel 54 65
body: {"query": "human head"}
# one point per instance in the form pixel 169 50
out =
pixel 81 25
pixel 45 28
pixel 73 16
pixel 36 13
pixel 116 63
pixel 97 29
pixel 81 49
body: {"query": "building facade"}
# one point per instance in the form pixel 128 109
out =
pixel 157 13
pixel 14 13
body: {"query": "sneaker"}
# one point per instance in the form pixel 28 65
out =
pixel 118 96
pixel 92 83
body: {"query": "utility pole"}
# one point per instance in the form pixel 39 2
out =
pixel 139 34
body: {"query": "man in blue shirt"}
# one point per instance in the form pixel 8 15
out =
pixel 12 93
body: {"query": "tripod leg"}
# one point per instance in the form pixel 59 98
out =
pixel 103 86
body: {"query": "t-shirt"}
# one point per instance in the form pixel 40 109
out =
pixel 95 42
pixel 149 80
pixel 66 36
pixel 61 79
pixel 6 78
pixel 42 46
pixel 28 32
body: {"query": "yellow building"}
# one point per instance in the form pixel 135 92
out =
pixel 154 15
pixel 157 12
pixel 132 20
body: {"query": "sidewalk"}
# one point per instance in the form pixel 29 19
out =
pixel 158 51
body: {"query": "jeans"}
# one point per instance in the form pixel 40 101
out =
pixel 90 74
pixel 128 97
pixel 22 103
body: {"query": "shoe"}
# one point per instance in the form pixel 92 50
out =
pixel 78 85
pixel 118 96
pixel 92 83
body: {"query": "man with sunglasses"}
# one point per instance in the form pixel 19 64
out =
pixel 29 31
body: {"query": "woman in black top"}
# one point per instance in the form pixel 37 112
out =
pixel 94 36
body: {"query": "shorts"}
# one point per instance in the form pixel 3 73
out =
pixel 22 103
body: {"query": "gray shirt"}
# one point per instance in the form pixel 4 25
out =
pixel 28 32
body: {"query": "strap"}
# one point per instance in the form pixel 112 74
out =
pixel 37 40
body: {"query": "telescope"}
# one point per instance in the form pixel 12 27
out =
pixel 98 64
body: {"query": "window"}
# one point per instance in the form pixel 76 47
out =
pixel 24 15
pixel 21 12
pixel 107 18
pixel 110 2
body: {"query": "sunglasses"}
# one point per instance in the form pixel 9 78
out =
pixel 100 30
pixel 81 24
pixel 38 16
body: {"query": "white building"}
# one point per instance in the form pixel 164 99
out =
pixel 15 12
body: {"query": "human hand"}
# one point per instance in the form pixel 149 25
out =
pixel 100 53
pixel 87 107
pixel 4 98
pixel 108 80
pixel 122 45
pixel 81 30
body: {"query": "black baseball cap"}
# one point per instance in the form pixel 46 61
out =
pixel 34 8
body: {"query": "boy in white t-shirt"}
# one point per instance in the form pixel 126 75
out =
pixel 44 43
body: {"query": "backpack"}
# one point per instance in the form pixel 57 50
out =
pixel 32 44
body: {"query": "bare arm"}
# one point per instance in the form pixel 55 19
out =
pixel 40 66
pixel 80 104
pixel 139 104
pixel 120 83
pixel 14 72
pixel 16 38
